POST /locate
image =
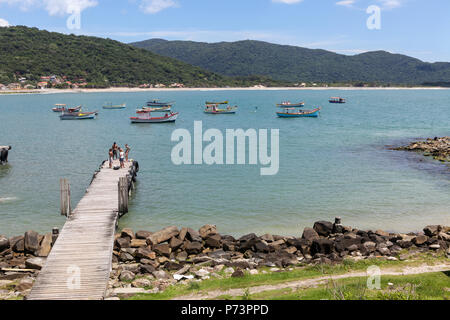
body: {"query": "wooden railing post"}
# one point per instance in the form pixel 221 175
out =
pixel 123 195
pixel 66 207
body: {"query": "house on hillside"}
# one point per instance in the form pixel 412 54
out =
pixel 42 85
pixel 14 86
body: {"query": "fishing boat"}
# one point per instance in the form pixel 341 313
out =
pixel 288 104
pixel 62 108
pixel 223 102
pixel 337 100
pixel 214 109
pixel 110 106
pixel 157 103
pixel 147 118
pixel 157 109
pixel 78 115
pixel 295 113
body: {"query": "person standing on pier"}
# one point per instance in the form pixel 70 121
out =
pixel 111 155
pixel 115 149
pixel 122 158
pixel 127 152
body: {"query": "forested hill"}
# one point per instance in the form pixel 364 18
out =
pixel 33 53
pixel 290 63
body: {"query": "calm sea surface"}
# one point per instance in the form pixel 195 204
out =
pixel 336 165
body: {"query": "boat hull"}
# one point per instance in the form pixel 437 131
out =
pixel 305 114
pixel 171 118
pixel 220 112
pixel 293 105
pixel 72 117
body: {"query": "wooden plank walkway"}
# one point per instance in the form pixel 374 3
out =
pixel 79 263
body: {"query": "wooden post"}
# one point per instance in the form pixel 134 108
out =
pixel 123 195
pixel 66 207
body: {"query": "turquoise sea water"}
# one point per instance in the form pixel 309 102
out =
pixel 336 165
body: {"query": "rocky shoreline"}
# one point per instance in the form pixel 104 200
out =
pixel 438 148
pixel 149 262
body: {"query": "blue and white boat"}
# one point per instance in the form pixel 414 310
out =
pixel 294 113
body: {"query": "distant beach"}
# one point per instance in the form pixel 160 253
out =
pixel 123 89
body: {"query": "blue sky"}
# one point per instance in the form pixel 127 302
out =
pixel 418 28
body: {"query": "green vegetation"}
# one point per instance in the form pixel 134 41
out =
pixel 272 278
pixel 296 64
pixel 32 53
pixel 429 286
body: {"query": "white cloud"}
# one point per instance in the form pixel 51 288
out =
pixel 155 6
pixel 391 4
pixel 346 3
pixel 4 23
pixel 54 7
pixel 287 1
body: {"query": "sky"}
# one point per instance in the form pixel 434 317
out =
pixel 418 28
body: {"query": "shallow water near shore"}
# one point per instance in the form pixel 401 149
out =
pixel 336 165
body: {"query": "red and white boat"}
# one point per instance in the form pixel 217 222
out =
pixel 147 118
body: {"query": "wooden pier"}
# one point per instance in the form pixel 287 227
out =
pixel 79 263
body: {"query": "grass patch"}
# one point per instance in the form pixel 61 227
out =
pixel 280 277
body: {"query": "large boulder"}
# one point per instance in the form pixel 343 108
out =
pixel 123 243
pixel 4 243
pixel 420 240
pixel 163 235
pixel 137 243
pixel 323 246
pixel 344 244
pixel 193 235
pixel 17 244
pixel 127 276
pixel 46 246
pixel 247 242
pixel 193 247
pixel 162 249
pixel 175 243
pixel 141 234
pixel 323 228
pixel 145 253
pixel 213 241
pixel 31 241
pixel 127 233
pixel 310 234
pixel 432 230
pixel 206 230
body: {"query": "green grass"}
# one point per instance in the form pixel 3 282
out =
pixel 285 276
pixel 430 286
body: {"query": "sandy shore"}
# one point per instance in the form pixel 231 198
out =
pixel 54 91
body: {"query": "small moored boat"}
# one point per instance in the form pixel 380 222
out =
pixel 223 102
pixel 62 108
pixel 158 109
pixel 157 103
pixel 294 113
pixel 78 115
pixel 214 109
pixel 288 104
pixel 114 107
pixel 337 100
pixel 147 118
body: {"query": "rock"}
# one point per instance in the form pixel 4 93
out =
pixel 17 244
pixel 237 274
pixel 31 241
pixel 247 242
pixel 133 267
pixel 404 243
pixel 369 246
pixel 193 247
pixel 420 240
pixel 141 234
pixel 206 230
pixel 183 270
pixel 352 248
pixel 4 243
pixel 344 244
pixel 127 233
pixel 291 250
pixel 163 235
pixel 162 249
pixel 126 275
pixel 24 285
pixel 382 233
pixel 141 283
pixel 175 243
pixel 443 236
pixel 213 240
pixel 147 269
pixel 182 256
pixel 253 272
pixel 229 270
pixel 201 273
pixel 145 253
pixel 384 251
pixel 432 230
pixel 159 275
pixel 126 257
pixel 323 246
pixel 46 246
pixel 193 235
pixel 434 247
pixel 137 243
pixel 123 243
pixel 172 266
pixel 310 234
pixel 35 263
pixel 261 246
pixel 323 228
pixel 267 237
